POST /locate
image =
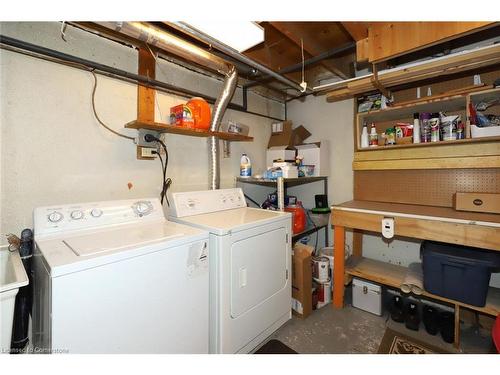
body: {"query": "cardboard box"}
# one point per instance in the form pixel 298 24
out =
pixel 477 202
pixel 282 134
pixel 302 280
pixel 282 141
pixel 315 154
pixel 279 152
pixel 181 115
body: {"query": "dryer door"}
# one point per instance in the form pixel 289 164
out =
pixel 258 268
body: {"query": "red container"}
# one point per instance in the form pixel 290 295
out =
pixel 181 115
pixel 298 218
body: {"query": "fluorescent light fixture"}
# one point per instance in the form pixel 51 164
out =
pixel 240 35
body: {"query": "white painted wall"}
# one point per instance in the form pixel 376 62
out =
pixel 331 122
pixel 334 122
pixel 54 151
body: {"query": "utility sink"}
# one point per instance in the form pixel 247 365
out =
pixel 12 277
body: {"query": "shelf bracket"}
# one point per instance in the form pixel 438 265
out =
pixel 376 83
pixel 146 96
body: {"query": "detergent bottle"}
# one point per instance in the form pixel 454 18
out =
pixel 245 166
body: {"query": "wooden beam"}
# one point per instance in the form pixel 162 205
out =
pixel 458 63
pixel 294 32
pixel 146 95
pixel 391 39
pixel 430 163
pixel 338 266
pixel 481 236
pixel 358 30
pixel 357 243
pixel 362 50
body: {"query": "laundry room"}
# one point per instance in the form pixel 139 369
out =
pixel 298 186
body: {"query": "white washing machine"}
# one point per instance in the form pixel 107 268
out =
pixel 117 277
pixel 250 266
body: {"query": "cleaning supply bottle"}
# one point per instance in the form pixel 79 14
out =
pixel 373 136
pixel 245 166
pixel 364 136
pixel 416 127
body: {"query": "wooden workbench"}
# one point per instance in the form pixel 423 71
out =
pixel 423 222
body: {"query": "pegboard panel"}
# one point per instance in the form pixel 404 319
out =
pixel 425 187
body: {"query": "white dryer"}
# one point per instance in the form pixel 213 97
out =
pixel 250 266
pixel 117 277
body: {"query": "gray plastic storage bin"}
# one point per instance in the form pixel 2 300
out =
pixel 458 272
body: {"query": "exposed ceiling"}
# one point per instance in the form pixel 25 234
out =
pixel 281 50
pixel 335 51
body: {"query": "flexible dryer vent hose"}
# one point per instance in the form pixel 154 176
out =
pixel 217 114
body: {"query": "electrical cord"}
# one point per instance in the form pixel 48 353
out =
pixel 97 116
pixel 316 228
pixel 166 181
pixel 252 200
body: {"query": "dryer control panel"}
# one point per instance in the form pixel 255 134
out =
pixel 190 203
pixel 67 217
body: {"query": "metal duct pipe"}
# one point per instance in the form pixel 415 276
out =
pixel 170 43
pixel 217 114
pixel 161 39
pixel 233 53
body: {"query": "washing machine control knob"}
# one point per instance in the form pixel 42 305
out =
pixel 55 217
pixel 142 208
pixel 96 212
pixel 76 215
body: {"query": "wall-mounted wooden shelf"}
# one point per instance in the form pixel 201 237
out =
pixel 443 104
pixel 461 153
pixel 165 128
pixel 431 144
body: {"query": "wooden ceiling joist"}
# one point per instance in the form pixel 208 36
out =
pixel 315 43
pixel 358 30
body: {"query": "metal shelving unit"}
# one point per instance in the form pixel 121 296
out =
pixel 290 182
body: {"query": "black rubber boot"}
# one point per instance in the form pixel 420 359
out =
pixel 430 317
pixel 412 317
pixel 447 326
pixel 397 309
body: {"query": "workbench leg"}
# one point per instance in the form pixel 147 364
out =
pixel 357 243
pixel 338 266
pixel 456 342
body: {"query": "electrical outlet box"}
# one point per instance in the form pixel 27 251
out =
pixel 140 137
pixel 146 153
pixel 388 227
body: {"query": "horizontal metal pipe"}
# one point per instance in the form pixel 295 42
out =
pixel 313 60
pixel 161 39
pixel 80 63
pixel 233 53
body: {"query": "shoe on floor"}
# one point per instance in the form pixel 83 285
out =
pixel 412 317
pixel 430 317
pixel 447 326
pixel 396 309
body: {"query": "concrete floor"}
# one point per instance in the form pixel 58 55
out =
pixel 351 330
